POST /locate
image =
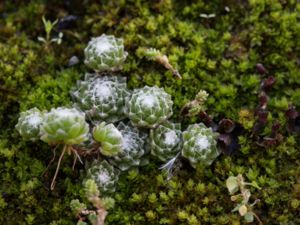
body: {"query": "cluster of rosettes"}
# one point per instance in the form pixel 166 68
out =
pixel 124 126
pixel 59 126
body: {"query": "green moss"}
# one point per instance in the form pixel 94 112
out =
pixel 51 91
pixel 215 54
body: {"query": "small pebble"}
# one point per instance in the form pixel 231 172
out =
pixel 73 61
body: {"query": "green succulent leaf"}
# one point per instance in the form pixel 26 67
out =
pixel 91 188
pixel 109 137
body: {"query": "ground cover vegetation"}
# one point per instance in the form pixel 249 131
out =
pixel 239 68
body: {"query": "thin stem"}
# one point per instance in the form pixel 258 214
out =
pixel 77 155
pixel 258 219
pixel 58 166
pixel 163 59
pixel 255 202
pixel 101 215
pixel 74 162
pixel 51 161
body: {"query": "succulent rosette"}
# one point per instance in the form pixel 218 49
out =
pixel 149 106
pixel 166 141
pixel 29 124
pixel 109 137
pixel 199 145
pixel 105 53
pixel 102 98
pixel 104 175
pixel 64 125
pixel 133 148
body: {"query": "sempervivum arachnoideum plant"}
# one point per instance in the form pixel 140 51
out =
pixel 105 53
pixel 65 126
pixel 199 145
pixel 133 148
pixel 29 124
pixel 166 141
pixel 102 98
pixel 104 175
pixel 149 106
pixel 109 137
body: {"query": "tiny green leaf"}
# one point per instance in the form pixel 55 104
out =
pixel 254 184
pixel 232 184
pixel 249 217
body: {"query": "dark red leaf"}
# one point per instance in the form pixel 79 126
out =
pixel 228 143
pixel 260 68
pixel 225 139
pixel 262 116
pixel 67 22
pixel 269 142
pixel 268 83
pixel 207 120
pixel 226 126
pixel 263 100
pixel 257 128
pixel 275 127
pixel 291 113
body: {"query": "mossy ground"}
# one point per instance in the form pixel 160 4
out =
pixel 217 54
